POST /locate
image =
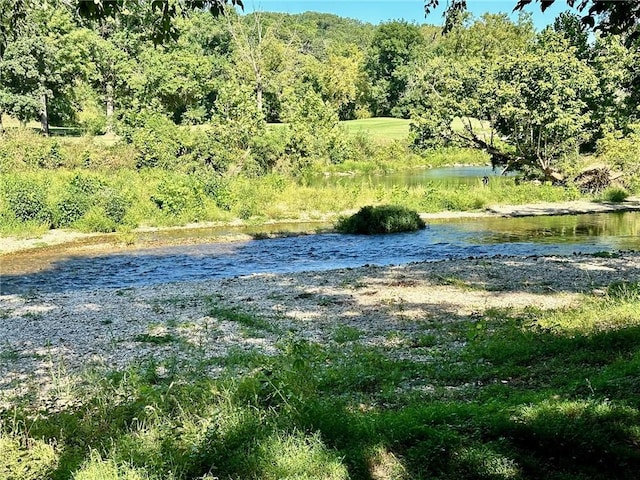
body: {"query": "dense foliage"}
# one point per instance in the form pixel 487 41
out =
pixel 370 220
pixel 238 97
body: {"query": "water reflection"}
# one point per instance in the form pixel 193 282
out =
pixel 620 230
pixel 469 175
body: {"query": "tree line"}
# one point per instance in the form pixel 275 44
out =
pixel 532 99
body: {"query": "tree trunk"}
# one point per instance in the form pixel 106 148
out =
pixel 44 115
pixel 259 93
pixel 110 108
pixel 1 125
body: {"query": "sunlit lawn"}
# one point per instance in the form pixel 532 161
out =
pixel 379 129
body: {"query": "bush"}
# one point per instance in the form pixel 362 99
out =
pixel 615 194
pixel 115 204
pixel 27 200
pixel 268 150
pixel 217 188
pixel 86 183
pixel 178 196
pixel 35 460
pixel 96 220
pixel 381 219
pixel 71 208
pixel 84 193
pixel 157 140
pixel 25 148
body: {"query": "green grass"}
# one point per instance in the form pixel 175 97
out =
pixel 511 394
pixel 380 129
pixel 387 129
pixel 160 198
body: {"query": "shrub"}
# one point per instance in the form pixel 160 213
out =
pixel 71 208
pixel 177 195
pixel 24 147
pixel 86 183
pixel 27 200
pixel 217 188
pixel 96 220
pixel 268 150
pixel 86 192
pixel 157 140
pixel 115 204
pixel 381 219
pixel 615 194
pixel 207 151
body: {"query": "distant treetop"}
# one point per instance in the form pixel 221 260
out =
pixel 606 16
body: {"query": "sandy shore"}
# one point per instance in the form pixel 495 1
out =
pixel 49 340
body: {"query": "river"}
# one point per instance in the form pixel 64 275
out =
pixel 57 271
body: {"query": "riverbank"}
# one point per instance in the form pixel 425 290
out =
pixel 51 340
pixel 142 237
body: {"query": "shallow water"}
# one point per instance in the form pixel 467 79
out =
pixel 469 175
pixel 483 237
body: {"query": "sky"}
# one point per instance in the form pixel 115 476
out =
pixel 377 11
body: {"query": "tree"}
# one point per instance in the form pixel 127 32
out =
pixel 394 44
pixel 20 87
pixel 536 105
pixel 160 16
pixel 576 32
pixel 250 45
pixel 176 80
pixel 39 65
pixel 609 17
pixel 341 77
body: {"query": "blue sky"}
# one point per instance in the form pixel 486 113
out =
pixel 376 11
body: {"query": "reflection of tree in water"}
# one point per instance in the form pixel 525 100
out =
pixel 565 228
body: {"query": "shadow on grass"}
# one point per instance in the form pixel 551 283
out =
pixel 523 395
pixel 336 412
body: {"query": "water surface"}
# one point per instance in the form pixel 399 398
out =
pixel 469 175
pixel 445 239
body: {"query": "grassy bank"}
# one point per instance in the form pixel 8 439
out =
pixel 123 199
pixel 511 393
pixel 167 175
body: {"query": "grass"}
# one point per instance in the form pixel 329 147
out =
pixel 386 129
pixel 381 129
pixel 272 197
pixel 512 394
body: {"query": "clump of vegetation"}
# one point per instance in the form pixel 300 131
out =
pixel 26 458
pixel 615 194
pixel 381 219
pixel 27 199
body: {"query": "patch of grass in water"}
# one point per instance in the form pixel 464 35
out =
pixel 381 219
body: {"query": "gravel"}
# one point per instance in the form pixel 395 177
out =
pixel 49 341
